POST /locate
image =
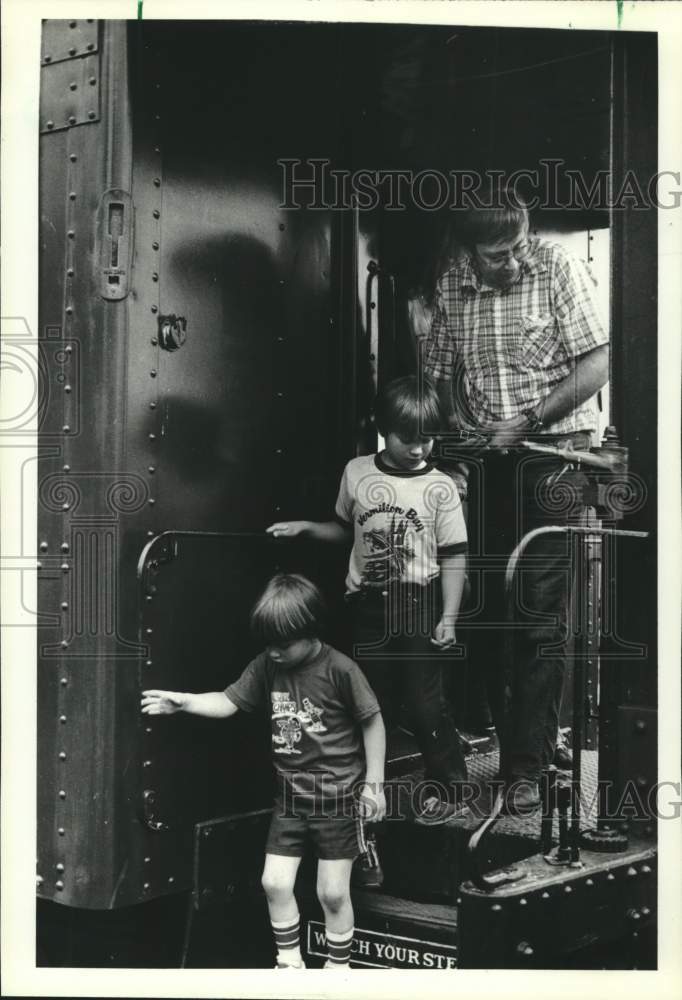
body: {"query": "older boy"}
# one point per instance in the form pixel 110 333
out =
pixel 405 577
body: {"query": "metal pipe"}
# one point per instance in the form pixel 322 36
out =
pixel 563 797
pixel 548 809
pixel 579 704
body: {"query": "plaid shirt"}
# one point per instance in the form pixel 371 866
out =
pixel 513 346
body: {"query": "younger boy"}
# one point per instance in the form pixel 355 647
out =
pixel 405 577
pixel 327 733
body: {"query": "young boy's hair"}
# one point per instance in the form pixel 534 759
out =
pixel 290 607
pixel 410 407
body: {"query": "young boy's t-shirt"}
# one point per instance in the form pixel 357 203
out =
pixel 315 709
pixel 402 522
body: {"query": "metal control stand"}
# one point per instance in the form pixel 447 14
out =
pixel 559 795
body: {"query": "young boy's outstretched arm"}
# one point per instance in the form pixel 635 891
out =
pixel 374 739
pixel 321 531
pixel 452 575
pixel 211 704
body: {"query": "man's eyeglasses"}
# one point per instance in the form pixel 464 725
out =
pixel 520 252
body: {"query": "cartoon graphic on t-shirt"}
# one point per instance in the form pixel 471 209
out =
pixel 389 551
pixel 292 720
pixel 311 718
pixel 282 704
pixel 290 733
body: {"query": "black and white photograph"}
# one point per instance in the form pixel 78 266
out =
pixel 341 498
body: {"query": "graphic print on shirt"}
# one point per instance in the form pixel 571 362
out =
pixel 387 553
pixel 311 719
pixel 292 721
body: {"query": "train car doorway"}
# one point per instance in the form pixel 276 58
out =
pixel 228 275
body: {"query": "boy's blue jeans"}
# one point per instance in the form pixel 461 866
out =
pixel 391 630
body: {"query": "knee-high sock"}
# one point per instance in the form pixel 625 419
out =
pixel 338 947
pixel 287 940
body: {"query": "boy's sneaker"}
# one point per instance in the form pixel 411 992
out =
pixel 367 872
pixel 285 965
pixel 335 965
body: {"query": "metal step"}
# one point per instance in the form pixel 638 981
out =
pixel 428 863
pixel 390 933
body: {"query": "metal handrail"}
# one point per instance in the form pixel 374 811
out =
pixel 172 534
pixel 559 529
pixel 482 881
pixel 606 461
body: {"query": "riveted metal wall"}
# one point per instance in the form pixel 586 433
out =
pixel 200 379
pixel 86 495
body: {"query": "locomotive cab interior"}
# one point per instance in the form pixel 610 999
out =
pixel 235 345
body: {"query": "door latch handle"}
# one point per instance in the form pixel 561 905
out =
pixel 172 332
pixel 114 238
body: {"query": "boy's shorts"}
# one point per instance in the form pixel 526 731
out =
pixel 333 837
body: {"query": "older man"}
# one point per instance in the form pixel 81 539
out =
pixel 517 335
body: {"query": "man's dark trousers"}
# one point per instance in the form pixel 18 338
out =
pixel 521 644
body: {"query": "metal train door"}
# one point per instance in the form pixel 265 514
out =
pixel 238 383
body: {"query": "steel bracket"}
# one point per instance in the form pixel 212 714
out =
pixel 70 94
pixel 66 40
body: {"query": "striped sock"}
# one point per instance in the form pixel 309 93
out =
pixel 338 948
pixel 287 940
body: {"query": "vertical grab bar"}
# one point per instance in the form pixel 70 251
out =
pixel 375 316
pixel 372 313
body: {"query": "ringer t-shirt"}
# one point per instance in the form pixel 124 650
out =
pixel 403 521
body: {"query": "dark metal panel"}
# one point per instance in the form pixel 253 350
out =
pixel 629 672
pixel 195 767
pixel 257 374
pixel 244 416
pixel 634 313
pixel 637 775
pixel 552 912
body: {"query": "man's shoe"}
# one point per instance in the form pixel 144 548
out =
pixel 522 798
pixel 563 755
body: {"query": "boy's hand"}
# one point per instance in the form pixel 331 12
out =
pixel 162 702
pixel 287 528
pixel 372 802
pixel 444 635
